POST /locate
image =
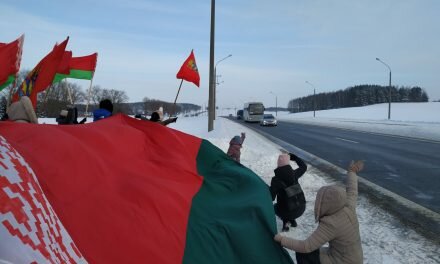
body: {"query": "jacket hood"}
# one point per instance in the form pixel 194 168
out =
pixel 22 111
pixel 329 200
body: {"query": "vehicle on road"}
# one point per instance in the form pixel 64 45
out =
pixel 239 114
pixel 253 111
pixel 268 120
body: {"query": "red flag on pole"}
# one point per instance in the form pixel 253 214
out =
pixel 189 71
pixel 10 58
pixel 42 75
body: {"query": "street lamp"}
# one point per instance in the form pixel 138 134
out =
pixel 211 69
pixel 276 103
pixel 389 88
pixel 215 81
pixel 314 95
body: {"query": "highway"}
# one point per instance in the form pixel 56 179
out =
pixel 405 166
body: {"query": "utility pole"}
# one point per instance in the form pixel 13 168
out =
pixel 211 105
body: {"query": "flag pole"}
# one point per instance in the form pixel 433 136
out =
pixel 45 96
pixel 88 96
pixel 175 100
pixel 69 93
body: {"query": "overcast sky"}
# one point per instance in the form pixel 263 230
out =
pixel 276 46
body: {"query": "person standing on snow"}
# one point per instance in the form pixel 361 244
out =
pixel 291 202
pixel 105 110
pixel 335 210
pixel 234 150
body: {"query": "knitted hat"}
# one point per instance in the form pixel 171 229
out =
pixel 236 141
pixel 22 111
pixel 283 160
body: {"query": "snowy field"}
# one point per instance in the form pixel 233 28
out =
pixel 384 239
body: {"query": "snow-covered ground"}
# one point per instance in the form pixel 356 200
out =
pixel 384 238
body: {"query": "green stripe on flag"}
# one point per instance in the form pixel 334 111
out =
pixel 74 74
pixel 232 219
pixel 11 79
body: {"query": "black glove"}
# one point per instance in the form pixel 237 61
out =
pixel 293 157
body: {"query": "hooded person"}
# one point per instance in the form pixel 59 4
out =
pixel 22 111
pixel 291 202
pixel 234 150
pixel 105 110
pixel 335 210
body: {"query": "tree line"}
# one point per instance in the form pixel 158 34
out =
pixel 66 94
pixel 359 95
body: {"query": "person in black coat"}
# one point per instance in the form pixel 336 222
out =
pixel 291 202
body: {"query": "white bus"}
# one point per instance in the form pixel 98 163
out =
pixel 253 111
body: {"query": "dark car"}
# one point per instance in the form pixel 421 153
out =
pixel 268 120
pixel 240 114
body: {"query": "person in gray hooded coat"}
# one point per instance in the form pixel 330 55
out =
pixel 335 210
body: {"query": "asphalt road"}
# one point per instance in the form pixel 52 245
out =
pixel 405 166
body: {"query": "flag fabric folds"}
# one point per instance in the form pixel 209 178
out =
pixel 79 68
pixel 189 71
pixel 133 191
pixel 10 58
pixel 41 77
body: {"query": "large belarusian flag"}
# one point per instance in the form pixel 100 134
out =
pixel 131 191
pixel 79 68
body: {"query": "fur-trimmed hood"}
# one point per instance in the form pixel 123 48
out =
pixel 22 111
pixel 329 200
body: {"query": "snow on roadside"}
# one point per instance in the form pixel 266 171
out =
pixel 384 239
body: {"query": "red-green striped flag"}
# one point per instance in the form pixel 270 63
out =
pixel 79 68
pixel 131 191
pixel 10 58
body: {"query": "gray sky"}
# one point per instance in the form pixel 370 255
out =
pixel 275 46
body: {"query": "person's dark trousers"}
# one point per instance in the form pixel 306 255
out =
pixel 308 258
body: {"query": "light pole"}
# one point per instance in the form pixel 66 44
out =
pixel 276 103
pixel 314 96
pixel 211 70
pixel 389 88
pixel 215 83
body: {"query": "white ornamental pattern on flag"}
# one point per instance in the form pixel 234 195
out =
pixel 30 231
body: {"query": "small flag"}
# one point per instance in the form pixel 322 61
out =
pixel 10 58
pixel 41 77
pixel 79 68
pixel 189 71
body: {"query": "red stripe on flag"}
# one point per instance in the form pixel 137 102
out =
pixel 122 188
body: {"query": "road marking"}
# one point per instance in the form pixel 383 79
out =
pixel 347 140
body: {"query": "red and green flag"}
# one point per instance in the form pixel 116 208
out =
pixel 132 191
pixel 189 71
pixel 10 58
pixel 41 77
pixel 79 68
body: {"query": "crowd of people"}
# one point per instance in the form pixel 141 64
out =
pixel 23 111
pixel 335 206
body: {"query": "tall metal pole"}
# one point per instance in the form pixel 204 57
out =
pixel 389 88
pixel 314 97
pixel 211 71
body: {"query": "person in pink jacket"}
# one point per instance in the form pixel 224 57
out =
pixel 335 210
